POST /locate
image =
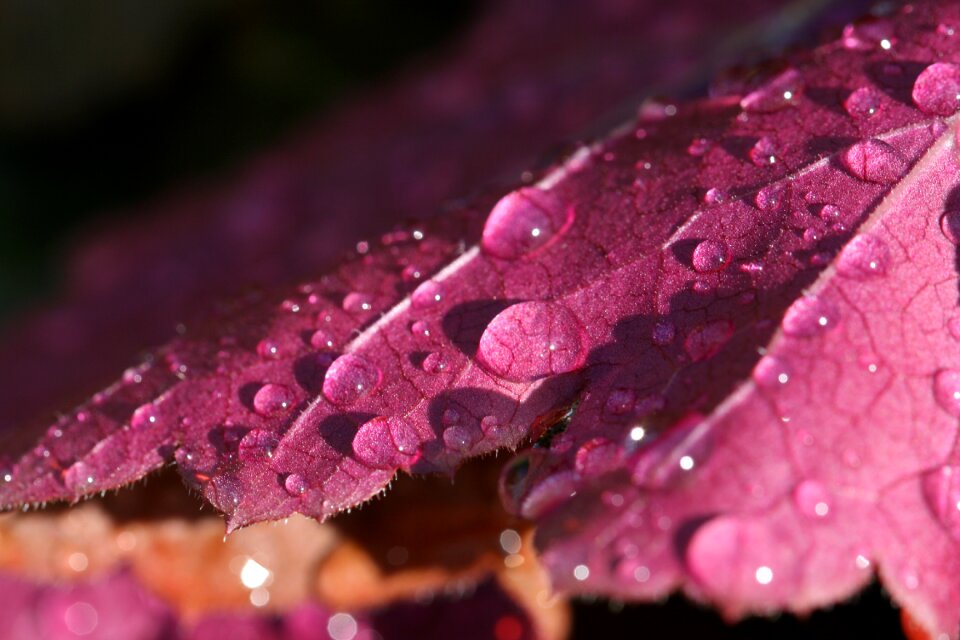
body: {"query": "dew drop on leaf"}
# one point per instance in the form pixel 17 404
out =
pixel 812 499
pixel 873 161
pixel 524 221
pixel 771 372
pixel 349 378
pixel 950 225
pixel 771 198
pixel 941 491
pixel 706 340
pixel 778 93
pixel 386 442
pixel 273 400
pixel 356 302
pixel 865 256
pixel 295 484
pixel 946 390
pixel 863 103
pixel 433 362
pixel 764 152
pixel 427 295
pixel 810 316
pixel 321 339
pixel 531 340
pixel 459 438
pixel 258 445
pixel 937 89
pixel 710 256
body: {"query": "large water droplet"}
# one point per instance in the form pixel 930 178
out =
pixel 937 89
pixel 873 161
pixel 427 295
pixel 386 443
pixel 864 257
pixel 710 256
pixel 524 221
pixel 812 499
pixel 257 445
pixel 349 378
pixel 810 316
pixel 764 152
pixel 273 400
pixel 950 225
pixel 946 390
pixel 778 93
pixel 941 490
pixel 531 340
pixel 726 556
pixel 707 340
pixel 863 102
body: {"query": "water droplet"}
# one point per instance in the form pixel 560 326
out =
pixel 873 161
pixel 811 236
pixel 524 221
pixel 771 372
pixel 706 341
pixel 941 491
pixel 946 390
pixel 257 445
pixel 764 152
pixel 295 484
pixel 950 225
pixel 810 316
pixel 269 349
pixel 863 103
pixel 81 618
pixel 771 197
pixel 433 362
pixel 945 29
pixel 710 256
pixel 272 400
pixel 829 213
pixel 596 457
pixel 427 295
pixel 355 302
pixel 450 416
pixel 864 257
pixel 490 425
pixel 699 147
pixel 386 443
pixel 227 491
pixel 531 340
pixel 620 402
pixel 868 33
pixel 420 329
pixel 144 416
pixel 321 339
pixel 349 378
pixel 778 93
pixel 79 478
pixel 411 273
pixel 812 499
pixel 663 333
pixel 937 89
pixel 715 196
pixel 459 438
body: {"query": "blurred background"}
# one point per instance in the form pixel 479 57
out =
pixel 116 118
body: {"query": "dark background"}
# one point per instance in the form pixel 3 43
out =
pixel 92 125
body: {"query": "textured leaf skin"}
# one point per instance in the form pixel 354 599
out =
pixel 666 260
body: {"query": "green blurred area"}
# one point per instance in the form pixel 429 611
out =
pixel 107 103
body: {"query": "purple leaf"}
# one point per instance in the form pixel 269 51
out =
pixel 729 327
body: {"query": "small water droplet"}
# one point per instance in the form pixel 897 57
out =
pixel 356 302
pixel 873 161
pixel 706 341
pixel 228 492
pixel 868 33
pixel 937 89
pixel 811 236
pixel 663 333
pixel 864 257
pixel 433 362
pixel 257 445
pixel 941 491
pixel 144 416
pixel 531 340
pixel 524 221
pixel 620 402
pixel 699 147
pixel 427 295
pixel 764 152
pixel 411 273
pixel 321 339
pixel 945 29
pixel 386 443
pixel 771 372
pixel 778 93
pixel 829 213
pixel 269 349
pixel 812 499
pixel 450 416
pixel 715 195
pixel 946 390
pixel 79 478
pixel 771 197
pixel 710 256
pixel 863 103
pixel 349 378
pixel 810 316
pixel 295 484
pixel 272 400
pixel 459 438
pixel 420 329
pixel 490 425
pixel 950 225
